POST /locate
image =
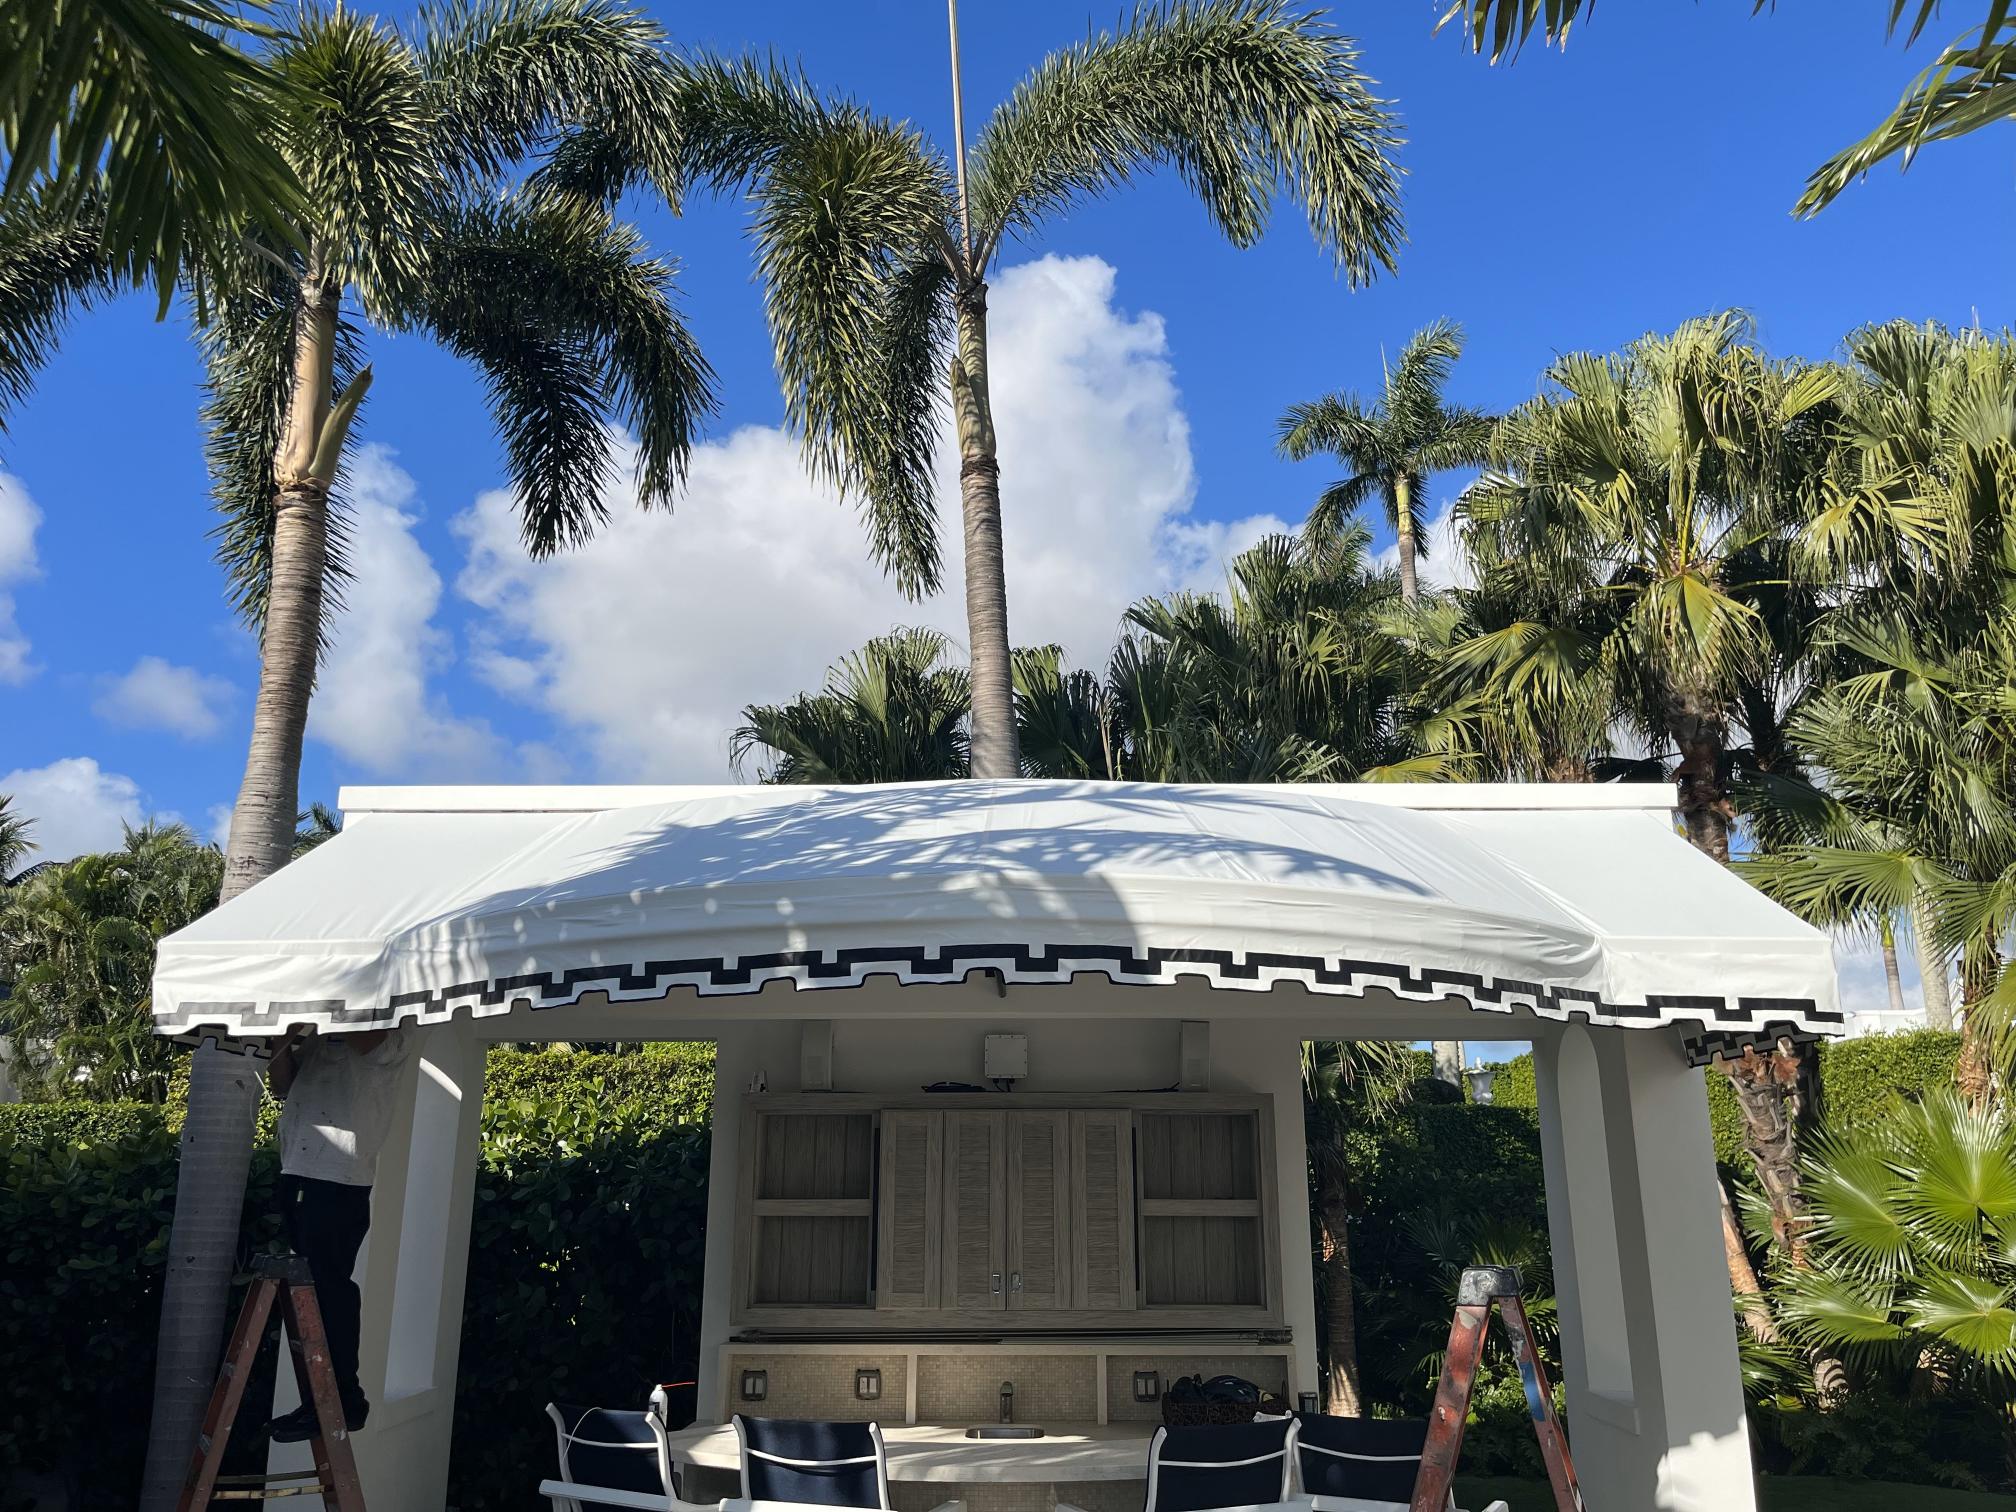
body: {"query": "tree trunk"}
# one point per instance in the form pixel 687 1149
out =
pixel 1933 980
pixel 216 1155
pixel 1974 1071
pixel 223 1088
pixel 1403 531
pixel 1755 1312
pixel 995 749
pixel 1778 1095
pixel 1891 975
pixel 1449 1062
pixel 1700 732
pixel 1343 1392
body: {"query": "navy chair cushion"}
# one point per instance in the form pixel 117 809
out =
pixel 829 1464
pixel 603 1447
pixel 1190 1469
pixel 1375 1459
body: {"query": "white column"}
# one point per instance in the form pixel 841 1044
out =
pixel 1655 1400
pixel 412 1272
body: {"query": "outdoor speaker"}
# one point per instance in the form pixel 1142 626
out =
pixel 815 1056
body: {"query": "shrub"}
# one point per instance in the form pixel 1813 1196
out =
pixel 673 1082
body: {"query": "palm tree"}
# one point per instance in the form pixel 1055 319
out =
pixel 14 841
pixel 892 711
pixel 875 248
pixel 1971 84
pixel 1673 475
pixel 146 116
pixel 1392 445
pixel 1911 1254
pixel 77 950
pixel 405 148
pixel 316 824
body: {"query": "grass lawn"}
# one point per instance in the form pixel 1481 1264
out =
pixel 1778 1494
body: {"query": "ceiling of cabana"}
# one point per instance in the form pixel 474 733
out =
pixel 1558 901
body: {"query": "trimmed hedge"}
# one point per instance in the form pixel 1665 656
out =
pixel 673 1081
pixel 1860 1079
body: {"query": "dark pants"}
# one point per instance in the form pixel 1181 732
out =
pixel 326 1223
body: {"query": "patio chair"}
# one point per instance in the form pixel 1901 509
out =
pixel 611 1460
pixel 817 1464
pixel 1344 1461
pixel 1235 1465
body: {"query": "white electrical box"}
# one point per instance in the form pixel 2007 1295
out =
pixel 1005 1057
pixel 815 1056
pixel 1193 1056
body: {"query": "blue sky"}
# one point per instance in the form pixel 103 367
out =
pixel 1574 200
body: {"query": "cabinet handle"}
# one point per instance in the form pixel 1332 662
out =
pixel 997 1283
pixel 1015 1282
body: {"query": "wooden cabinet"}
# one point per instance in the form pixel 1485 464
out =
pixel 968 1214
pixel 1040 1211
pixel 1102 1229
pixel 910 1197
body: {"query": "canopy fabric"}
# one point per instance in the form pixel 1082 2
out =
pixel 415 916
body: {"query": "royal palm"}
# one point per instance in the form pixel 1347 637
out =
pixel 413 218
pixel 1393 445
pixel 875 248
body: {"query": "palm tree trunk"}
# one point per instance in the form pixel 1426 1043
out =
pixel 1756 1314
pixel 1344 1394
pixel 995 751
pixel 224 1089
pixel 1777 1090
pixel 1932 977
pixel 1974 1071
pixel 1891 975
pixel 1403 530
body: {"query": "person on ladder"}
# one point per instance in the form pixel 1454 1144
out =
pixel 338 1090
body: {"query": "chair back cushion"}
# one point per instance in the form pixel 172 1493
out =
pixel 1234 1465
pixel 600 1446
pixel 828 1464
pixel 1375 1459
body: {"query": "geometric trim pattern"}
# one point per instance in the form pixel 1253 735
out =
pixel 1725 1024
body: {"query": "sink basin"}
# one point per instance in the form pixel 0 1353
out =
pixel 1004 1431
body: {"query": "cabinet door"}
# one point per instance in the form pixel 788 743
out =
pixel 912 1187
pixel 976 1190
pixel 1102 1226
pixel 1039 1210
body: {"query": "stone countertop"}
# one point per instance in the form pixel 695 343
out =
pixel 1067 1452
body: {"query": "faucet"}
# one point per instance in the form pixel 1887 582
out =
pixel 1007 1401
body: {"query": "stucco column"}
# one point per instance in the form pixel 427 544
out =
pixel 1655 1399
pixel 412 1271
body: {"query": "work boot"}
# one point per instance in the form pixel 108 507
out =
pixel 299 1426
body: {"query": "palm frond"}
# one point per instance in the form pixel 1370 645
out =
pixel 539 274
pixel 154 109
pixel 1242 98
pixel 52 263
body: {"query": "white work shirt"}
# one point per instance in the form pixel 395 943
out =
pixel 334 1120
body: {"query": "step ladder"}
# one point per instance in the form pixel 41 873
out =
pixel 1477 1292
pixel 286 1279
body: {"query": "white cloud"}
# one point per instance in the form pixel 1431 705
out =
pixel 372 701
pixel 158 695
pixel 219 817
pixel 652 638
pixel 19 518
pixel 77 806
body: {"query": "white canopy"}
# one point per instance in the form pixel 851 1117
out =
pixel 1565 901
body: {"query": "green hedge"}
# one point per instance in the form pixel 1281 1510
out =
pixel 673 1081
pixel 1860 1079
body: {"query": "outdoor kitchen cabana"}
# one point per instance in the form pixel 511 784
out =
pixel 1134 1198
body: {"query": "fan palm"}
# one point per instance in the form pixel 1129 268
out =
pixel 1971 84
pixel 1392 445
pixel 1671 476
pixel 1913 1247
pixel 893 711
pixel 405 149
pixel 875 253
pixel 151 113
pixel 15 843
